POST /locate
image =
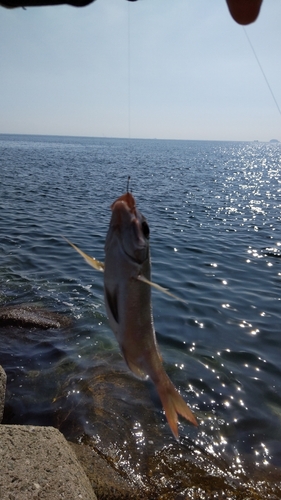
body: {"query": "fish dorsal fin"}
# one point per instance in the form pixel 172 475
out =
pixel 159 287
pixel 96 264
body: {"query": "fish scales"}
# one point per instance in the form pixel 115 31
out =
pixel 128 303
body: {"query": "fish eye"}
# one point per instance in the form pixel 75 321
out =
pixel 145 229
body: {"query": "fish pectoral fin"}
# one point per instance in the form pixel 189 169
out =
pixel 112 302
pixel 137 371
pixel 96 264
pixel 159 287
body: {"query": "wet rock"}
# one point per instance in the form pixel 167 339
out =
pixel 112 405
pixel 3 379
pixel 127 451
pixel 123 442
pixel 169 476
pixel 37 462
pixel 28 316
pixel 105 480
pixel 272 252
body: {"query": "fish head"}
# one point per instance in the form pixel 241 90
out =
pixel 131 228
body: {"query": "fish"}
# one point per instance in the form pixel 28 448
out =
pixel 127 294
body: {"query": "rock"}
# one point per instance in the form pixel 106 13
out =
pixel 106 481
pixel 37 462
pixel 170 476
pixel 28 316
pixel 3 379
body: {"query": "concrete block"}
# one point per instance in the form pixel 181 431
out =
pixel 38 463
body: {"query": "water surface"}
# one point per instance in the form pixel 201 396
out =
pixel 214 215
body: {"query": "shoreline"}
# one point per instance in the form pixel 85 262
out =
pixel 38 462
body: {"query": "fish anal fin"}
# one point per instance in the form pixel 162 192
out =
pixel 173 404
pixel 112 303
pixel 137 371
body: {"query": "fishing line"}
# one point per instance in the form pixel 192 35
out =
pixel 129 71
pixel 263 73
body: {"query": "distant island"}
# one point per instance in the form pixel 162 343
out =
pixel 274 140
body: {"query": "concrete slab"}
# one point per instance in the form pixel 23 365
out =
pixel 38 463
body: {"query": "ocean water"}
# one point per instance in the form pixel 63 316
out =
pixel 214 210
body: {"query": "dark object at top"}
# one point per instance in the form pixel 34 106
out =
pixel 11 4
pixel 242 11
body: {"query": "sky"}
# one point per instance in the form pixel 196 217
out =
pixel 166 69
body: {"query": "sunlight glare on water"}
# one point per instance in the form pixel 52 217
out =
pixel 214 215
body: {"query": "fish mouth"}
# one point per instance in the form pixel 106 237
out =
pixel 124 212
pixel 128 199
pixel 129 223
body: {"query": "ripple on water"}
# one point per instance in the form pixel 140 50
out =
pixel 214 214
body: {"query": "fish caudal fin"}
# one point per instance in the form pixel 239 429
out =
pixel 173 404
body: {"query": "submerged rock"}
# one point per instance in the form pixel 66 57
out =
pixel 170 476
pixel 28 316
pixel 126 453
pixel 106 481
pixel 126 448
pixel 272 252
pixel 120 435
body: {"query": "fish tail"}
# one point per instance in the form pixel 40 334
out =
pixel 173 404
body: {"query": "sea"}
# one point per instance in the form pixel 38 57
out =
pixel 214 211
